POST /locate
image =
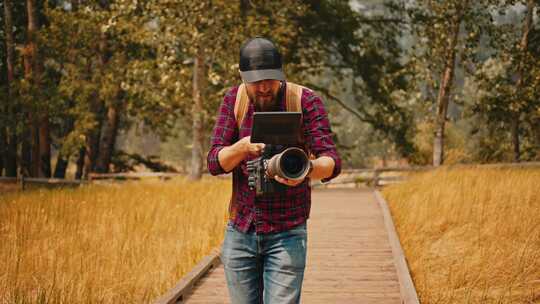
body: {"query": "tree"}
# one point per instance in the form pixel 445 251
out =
pixel 447 79
pixel 507 88
pixel 448 40
pixel 520 104
pixel 41 151
pixel 9 160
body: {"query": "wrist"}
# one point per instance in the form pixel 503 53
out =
pixel 310 170
pixel 241 148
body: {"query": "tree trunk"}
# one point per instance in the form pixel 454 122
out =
pixel 61 166
pixel 536 128
pixel 523 46
pixel 26 151
pixel 44 146
pixel 444 93
pixel 80 163
pixel 92 150
pixel 244 7
pixel 97 107
pixel 3 151
pixel 109 139
pixel 42 161
pixel 515 137
pixel 198 89
pixel 34 139
pixel 10 158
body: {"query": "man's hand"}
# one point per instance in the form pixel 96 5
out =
pixel 254 149
pixel 229 157
pixel 322 168
pixel 288 182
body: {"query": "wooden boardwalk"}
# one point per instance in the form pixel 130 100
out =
pixel 349 254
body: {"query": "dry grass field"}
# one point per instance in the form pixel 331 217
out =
pixel 471 235
pixel 123 243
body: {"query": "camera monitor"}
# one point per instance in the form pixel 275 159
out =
pixel 276 128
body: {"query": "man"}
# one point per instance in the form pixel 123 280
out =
pixel 264 251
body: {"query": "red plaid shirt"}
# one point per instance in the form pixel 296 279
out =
pixel 276 212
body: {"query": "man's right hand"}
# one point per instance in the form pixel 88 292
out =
pixel 249 148
pixel 229 157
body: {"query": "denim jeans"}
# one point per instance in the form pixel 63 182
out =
pixel 267 267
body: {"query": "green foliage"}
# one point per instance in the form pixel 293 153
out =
pixel 488 57
pixel 383 61
pixel 506 86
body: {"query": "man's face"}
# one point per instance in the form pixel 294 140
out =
pixel 264 94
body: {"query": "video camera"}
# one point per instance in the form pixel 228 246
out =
pixel 281 156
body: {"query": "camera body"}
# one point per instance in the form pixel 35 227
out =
pixel 287 162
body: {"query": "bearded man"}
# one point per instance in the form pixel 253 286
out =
pixel 264 250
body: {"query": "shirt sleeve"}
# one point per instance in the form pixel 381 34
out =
pixel 318 132
pixel 225 132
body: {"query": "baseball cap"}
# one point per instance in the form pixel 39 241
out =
pixel 259 60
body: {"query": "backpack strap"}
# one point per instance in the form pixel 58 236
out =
pixel 294 104
pixel 241 105
pixel 293 99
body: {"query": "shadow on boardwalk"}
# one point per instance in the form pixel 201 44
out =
pixel 349 255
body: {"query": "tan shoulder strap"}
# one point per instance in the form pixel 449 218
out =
pixel 294 104
pixel 293 101
pixel 294 97
pixel 241 105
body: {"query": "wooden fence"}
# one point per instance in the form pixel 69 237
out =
pixel 132 176
pixel 25 183
pixel 375 177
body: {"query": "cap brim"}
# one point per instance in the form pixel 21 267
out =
pixel 257 75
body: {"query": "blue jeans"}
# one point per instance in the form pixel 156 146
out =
pixel 264 266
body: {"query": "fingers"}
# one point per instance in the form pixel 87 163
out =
pixel 287 182
pixel 255 149
pixel 249 148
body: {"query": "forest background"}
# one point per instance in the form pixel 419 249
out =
pixel 118 85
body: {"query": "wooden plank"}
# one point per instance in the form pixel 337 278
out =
pixel 176 294
pixel 406 285
pixel 350 259
pixel 349 256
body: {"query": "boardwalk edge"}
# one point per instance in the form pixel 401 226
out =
pixel 406 285
pixel 186 284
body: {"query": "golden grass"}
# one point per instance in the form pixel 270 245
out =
pixel 471 235
pixel 126 243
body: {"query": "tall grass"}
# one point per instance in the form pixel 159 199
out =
pixel 471 235
pixel 126 243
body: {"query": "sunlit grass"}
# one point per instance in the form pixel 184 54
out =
pixel 471 235
pixel 126 243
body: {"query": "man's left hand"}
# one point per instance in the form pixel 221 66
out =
pixel 288 182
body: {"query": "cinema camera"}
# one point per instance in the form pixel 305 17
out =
pixel 281 156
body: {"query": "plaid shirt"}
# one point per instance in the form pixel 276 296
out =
pixel 276 212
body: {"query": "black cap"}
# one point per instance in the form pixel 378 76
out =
pixel 259 60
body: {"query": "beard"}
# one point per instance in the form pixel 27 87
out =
pixel 264 103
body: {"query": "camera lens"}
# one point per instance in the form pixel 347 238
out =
pixel 292 165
